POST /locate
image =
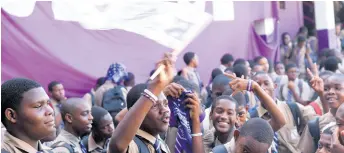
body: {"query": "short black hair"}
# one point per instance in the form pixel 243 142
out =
pixel 225 97
pixel 215 73
pixel 258 58
pixel 303 29
pixel 301 39
pixel 188 85
pixel 52 84
pixel 240 70
pixel 221 80
pixel 97 113
pixel 130 77
pixel 188 57
pixel 289 66
pixel 239 97
pixel 12 94
pixel 135 93
pixel 101 81
pixel 230 69
pixel 226 58
pixel 239 61
pixel 331 64
pixel 259 129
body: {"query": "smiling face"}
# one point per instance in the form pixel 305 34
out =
pixel 105 127
pixel 266 83
pixel 35 116
pixel 334 91
pixel 279 69
pixel 158 117
pixel 223 115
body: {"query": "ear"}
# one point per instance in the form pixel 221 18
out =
pixel 69 118
pixel 11 115
pixel 236 134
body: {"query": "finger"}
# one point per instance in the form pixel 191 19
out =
pixel 191 101
pixel 231 76
pixel 192 107
pixel 242 76
pixel 309 72
pixel 174 92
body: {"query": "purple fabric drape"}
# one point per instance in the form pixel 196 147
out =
pixel 23 56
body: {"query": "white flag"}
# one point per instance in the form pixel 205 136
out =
pixel 171 24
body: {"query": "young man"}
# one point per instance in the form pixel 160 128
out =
pixel 242 111
pixel 288 136
pixel 26 114
pixel 57 93
pixel 279 68
pixel 90 96
pixel 244 62
pixel 300 54
pixel 333 92
pixel 226 62
pixel 223 114
pixel 115 77
pixel 102 128
pixel 255 136
pixel 296 90
pixel 331 64
pixel 261 60
pixel 77 118
pixel 241 70
pixel 189 72
pixel 149 115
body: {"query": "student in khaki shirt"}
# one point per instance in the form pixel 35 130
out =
pixel 102 129
pixel 77 117
pixel 26 114
pixel 147 117
pixel 255 136
pixel 288 135
pixel 334 96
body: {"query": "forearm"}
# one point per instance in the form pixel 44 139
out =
pixel 197 141
pixel 277 118
pixel 130 123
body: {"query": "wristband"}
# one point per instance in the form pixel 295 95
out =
pixel 196 134
pixel 149 93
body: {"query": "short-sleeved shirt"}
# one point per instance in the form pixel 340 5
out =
pixel 192 75
pixel 306 143
pixel 70 139
pixel 147 139
pixel 306 94
pixel 210 140
pixel 15 145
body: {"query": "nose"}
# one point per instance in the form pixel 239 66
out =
pixel 49 110
pixel 90 117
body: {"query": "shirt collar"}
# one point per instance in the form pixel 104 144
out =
pixel 8 138
pixel 262 111
pixel 146 136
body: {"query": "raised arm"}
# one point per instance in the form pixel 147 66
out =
pixel 277 119
pixel 133 119
pixel 318 86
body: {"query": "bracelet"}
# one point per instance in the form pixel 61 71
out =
pixel 196 134
pixel 149 97
pixel 149 93
pixel 249 85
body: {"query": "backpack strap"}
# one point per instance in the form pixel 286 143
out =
pixel 64 145
pixel 314 130
pixel 281 92
pixel 84 141
pixel 141 145
pixel 295 110
pixel 300 85
pixel 254 112
pixel 316 108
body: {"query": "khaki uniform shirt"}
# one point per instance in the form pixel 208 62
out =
pixel 68 138
pixel 210 140
pixel 306 95
pixel 306 143
pixel 147 139
pixel 15 145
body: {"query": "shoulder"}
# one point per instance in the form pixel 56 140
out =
pixel 132 148
pixel 209 136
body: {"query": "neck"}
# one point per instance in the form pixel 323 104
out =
pixel 223 137
pixel 191 65
pixel 20 134
pixel 69 129
pixel 99 140
pixel 333 111
pixel 151 132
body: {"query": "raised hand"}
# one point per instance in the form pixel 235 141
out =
pixel 291 85
pixel 316 82
pixel 237 84
pixel 173 90
pixel 165 76
pixel 193 103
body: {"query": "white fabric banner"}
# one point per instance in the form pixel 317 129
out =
pixel 171 24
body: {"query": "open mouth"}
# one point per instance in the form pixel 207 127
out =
pixel 166 119
pixel 331 99
pixel 222 124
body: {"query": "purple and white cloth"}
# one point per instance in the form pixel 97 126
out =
pixel 116 73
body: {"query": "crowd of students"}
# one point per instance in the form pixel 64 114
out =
pixel 248 106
